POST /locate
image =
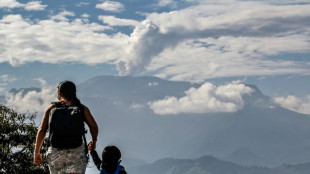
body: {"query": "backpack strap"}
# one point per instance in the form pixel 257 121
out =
pixel 85 132
pixel 85 143
pixel 59 104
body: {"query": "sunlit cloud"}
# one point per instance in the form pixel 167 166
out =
pixel 238 32
pixel 229 57
pixel 297 104
pixel 206 99
pixel 34 6
pixel 32 101
pixel 63 16
pixel 30 6
pixel 111 6
pixel 57 40
pixel 209 39
pixel 113 21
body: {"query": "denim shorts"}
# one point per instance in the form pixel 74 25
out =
pixel 63 161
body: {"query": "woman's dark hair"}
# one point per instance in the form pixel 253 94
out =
pixel 68 91
pixel 110 158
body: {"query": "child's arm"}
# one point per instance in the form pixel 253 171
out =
pixel 96 158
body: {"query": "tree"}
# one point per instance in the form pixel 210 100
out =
pixel 17 140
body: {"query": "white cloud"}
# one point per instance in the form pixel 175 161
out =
pixel 239 23
pixel 10 4
pixel 32 101
pixel 111 6
pixel 7 78
pixel 291 102
pixel 208 40
pixel 62 16
pixel 229 57
pixel 81 4
pixel 206 99
pixel 85 15
pixel 287 1
pixel 136 106
pixel 113 21
pixel 57 40
pixel 32 5
pixel 163 3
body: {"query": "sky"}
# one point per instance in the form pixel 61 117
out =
pixel 261 42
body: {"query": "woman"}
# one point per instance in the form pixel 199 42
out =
pixel 68 160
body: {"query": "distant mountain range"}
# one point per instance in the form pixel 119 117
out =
pixel 260 134
pixel 211 165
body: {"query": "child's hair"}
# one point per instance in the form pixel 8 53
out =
pixel 110 158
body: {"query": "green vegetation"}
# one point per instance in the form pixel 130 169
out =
pixel 17 140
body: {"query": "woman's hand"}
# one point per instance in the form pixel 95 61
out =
pixel 37 159
pixel 92 145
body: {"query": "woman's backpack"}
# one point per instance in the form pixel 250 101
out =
pixel 66 126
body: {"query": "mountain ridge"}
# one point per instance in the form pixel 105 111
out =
pixel 211 165
pixel 193 135
pixel 267 132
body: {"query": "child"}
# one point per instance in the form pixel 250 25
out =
pixel 110 163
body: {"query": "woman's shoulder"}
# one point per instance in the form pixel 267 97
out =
pixel 86 109
pixel 84 105
pixel 49 108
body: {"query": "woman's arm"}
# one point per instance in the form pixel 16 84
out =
pixel 41 135
pixel 90 121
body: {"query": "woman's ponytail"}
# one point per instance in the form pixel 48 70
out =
pixel 68 91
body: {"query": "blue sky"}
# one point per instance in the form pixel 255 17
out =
pixel 266 43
